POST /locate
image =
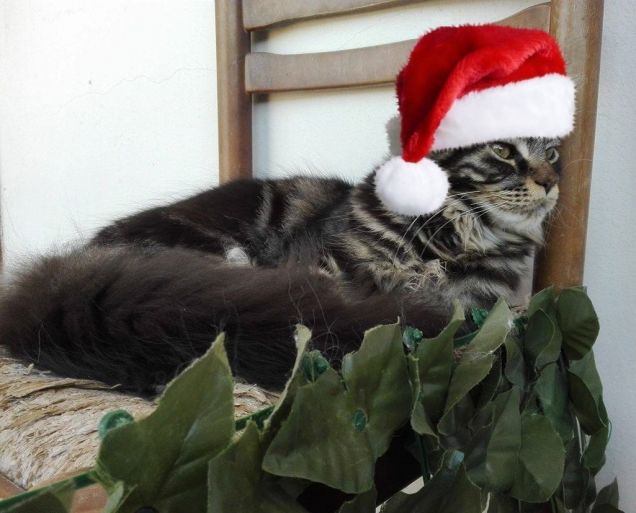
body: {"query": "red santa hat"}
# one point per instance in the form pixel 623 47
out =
pixel 471 85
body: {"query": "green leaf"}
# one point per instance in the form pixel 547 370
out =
pixel 542 340
pixel 586 394
pixel 468 374
pixel 314 364
pixel 607 496
pixel 493 332
pixel 543 300
pixel 297 379
pixel 324 426
pixel 491 384
pixel 363 503
pixel 56 498
pixel 163 458
pixel 606 508
pixel 576 478
pixel 578 322
pixel 552 392
pixel 498 503
pixel 515 367
pixel 431 366
pixel 376 378
pixel 476 362
pixel 327 447
pixel 433 496
pixel 541 458
pixel 594 457
pixel 112 420
pixel 237 483
pixel 463 496
pixel 493 456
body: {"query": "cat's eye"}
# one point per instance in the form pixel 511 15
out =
pixel 503 151
pixel 552 155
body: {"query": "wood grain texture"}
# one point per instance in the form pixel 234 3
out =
pixel 264 14
pixel 8 488
pixel 373 65
pixel 578 28
pixel 234 104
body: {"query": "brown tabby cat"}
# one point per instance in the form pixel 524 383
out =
pixel 252 258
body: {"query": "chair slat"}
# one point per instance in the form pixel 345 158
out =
pixel 578 27
pixel 234 104
pixel 264 14
pixel 8 488
pixel 373 65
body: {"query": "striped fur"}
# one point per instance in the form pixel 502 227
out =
pixel 254 257
pixel 475 247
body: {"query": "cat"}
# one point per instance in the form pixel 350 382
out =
pixel 252 258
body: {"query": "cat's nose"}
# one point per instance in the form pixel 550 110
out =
pixel 546 182
pixel 545 176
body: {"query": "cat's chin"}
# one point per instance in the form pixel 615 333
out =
pixel 528 222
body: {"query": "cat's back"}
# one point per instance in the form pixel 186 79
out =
pixel 257 215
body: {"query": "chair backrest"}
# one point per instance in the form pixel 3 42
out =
pixel 576 25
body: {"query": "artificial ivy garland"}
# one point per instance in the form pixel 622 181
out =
pixel 508 419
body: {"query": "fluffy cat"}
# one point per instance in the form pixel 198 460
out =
pixel 252 258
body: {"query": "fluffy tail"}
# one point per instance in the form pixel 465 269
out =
pixel 133 317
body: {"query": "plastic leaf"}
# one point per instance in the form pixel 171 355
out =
pixel 576 478
pixel 541 458
pixel 542 340
pixel 501 504
pixel 493 332
pixel 463 496
pixel 432 362
pixel 376 378
pixel 164 456
pixel 363 503
pixel 493 457
pixel 476 362
pixel 578 322
pixel 283 406
pixel 586 394
pixel 594 457
pixel 552 392
pixel 543 300
pixel 434 493
pixel 56 498
pixel 327 447
pixel 237 483
pixel 338 429
pixel 607 496
pixel 491 384
pixel 468 374
pixel 514 368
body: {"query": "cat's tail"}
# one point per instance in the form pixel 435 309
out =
pixel 136 317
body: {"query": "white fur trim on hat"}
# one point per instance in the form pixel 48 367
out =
pixel 411 188
pixel 537 107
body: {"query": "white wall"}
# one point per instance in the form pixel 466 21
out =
pixel 610 270
pixel 105 106
pixel 109 106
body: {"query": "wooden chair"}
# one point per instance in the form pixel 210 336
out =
pixel 576 25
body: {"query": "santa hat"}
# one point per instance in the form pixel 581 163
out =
pixel 471 85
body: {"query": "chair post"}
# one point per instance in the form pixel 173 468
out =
pixel 234 103
pixel 577 26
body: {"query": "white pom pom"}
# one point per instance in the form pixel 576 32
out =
pixel 411 188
